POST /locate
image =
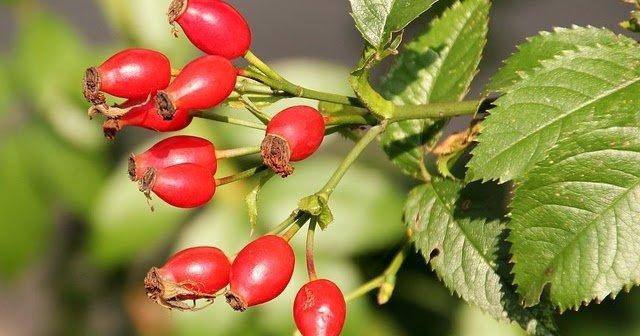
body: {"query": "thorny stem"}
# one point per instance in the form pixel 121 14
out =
pixel 240 176
pixel 236 152
pixel 311 267
pixel 212 115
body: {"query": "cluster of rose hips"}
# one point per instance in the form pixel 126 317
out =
pixel 181 170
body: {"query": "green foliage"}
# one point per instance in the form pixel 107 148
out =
pixel 575 218
pixel 252 199
pixel 460 231
pixel 437 66
pixel 527 59
pixel 555 102
pixel 377 20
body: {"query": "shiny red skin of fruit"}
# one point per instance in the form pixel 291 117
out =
pixel 262 270
pixel 201 269
pixel 134 73
pixel 216 28
pixel 146 116
pixel 177 150
pixel 319 309
pixel 203 83
pixel 185 185
pixel 302 126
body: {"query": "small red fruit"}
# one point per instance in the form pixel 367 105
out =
pixel 191 274
pixel 202 84
pixel 174 151
pixel 214 27
pixel 292 135
pixel 260 272
pixel 319 309
pixel 185 185
pixel 131 73
pixel 146 116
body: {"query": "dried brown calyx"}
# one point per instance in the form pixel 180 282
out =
pixel 235 302
pixel 276 153
pixel 165 107
pixel 177 8
pixel 170 294
pixel 91 87
pixel 110 128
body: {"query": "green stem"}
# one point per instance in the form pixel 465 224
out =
pixel 311 267
pixel 328 189
pixel 299 91
pixel 350 119
pixel 380 280
pixel 365 288
pixel 260 65
pixel 241 175
pixel 286 223
pixel 236 152
pixel 211 115
pixel 263 117
pixel 435 110
pixel 296 227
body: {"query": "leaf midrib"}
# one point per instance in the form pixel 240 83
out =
pixel 590 223
pixel 565 115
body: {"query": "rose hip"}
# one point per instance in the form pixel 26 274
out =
pixel 146 116
pixel 319 309
pixel 173 151
pixel 214 27
pixel 131 73
pixel 184 185
pixel 202 84
pixel 292 135
pixel 191 274
pixel 260 272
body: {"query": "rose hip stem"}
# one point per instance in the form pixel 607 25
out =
pixel 311 267
pixel 241 175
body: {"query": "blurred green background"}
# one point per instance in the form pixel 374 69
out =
pixel 77 237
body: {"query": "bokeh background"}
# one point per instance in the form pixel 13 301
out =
pixel 77 238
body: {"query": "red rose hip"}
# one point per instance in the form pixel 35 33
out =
pixel 194 273
pixel 146 116
pixel 319 309
pixel 292 135
pixel 202 84
pixel 174 151
pixel 214 27
pixel 131 73
pixel 184 185
pixel 260 272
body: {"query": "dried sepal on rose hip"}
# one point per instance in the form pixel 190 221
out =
pixel 185 185
pixel 260 272
pixel 214 27
pixel 319 309
pixel 202 84
pixel 173 151
pixel 292 135
pixel 191 274
pixel 131 73
pixel 144 114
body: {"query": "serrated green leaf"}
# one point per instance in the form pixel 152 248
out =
pixel 437 66
pixel 546 45
pixel 377 20
pixel 575 222
pixel 556 101
pixel 460 231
